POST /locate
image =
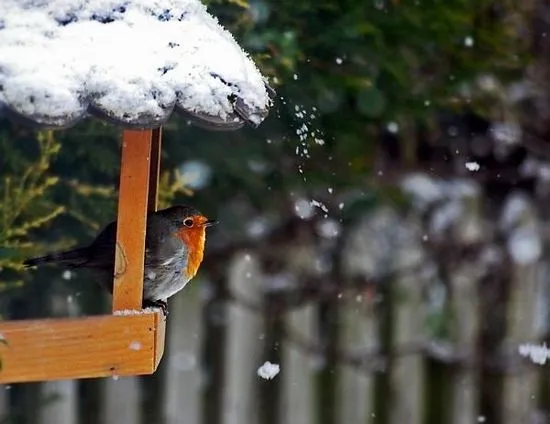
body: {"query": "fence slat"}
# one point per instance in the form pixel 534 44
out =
pixel 243 343
pixel 465 305
pixel 59 398
pixel 121 399
pixel 60 407
pixel 297 373
pixel 407 373
pixel 355 403
pixel 183 376
pixel 4 406
pixel 524 245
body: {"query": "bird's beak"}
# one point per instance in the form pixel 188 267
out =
pixel 210 222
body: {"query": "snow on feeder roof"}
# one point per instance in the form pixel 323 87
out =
pixel 130 62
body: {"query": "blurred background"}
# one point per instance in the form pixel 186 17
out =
pixel 383 235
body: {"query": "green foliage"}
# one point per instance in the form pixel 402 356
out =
pixel 171 184
pixel 353 65
pixel 363 65
pixel 25 203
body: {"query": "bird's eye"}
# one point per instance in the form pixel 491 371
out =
pixel 188 222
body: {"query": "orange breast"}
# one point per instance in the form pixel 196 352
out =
pixel 194 239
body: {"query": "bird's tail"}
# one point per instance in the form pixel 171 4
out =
pixel 71 258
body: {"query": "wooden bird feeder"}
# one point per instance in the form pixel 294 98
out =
pixel 130 341
pixel 125 343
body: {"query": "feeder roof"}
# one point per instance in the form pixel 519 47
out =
pixel 130 62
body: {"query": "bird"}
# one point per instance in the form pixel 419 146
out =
pixel 174 248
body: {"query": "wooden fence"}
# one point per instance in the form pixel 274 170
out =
pixel 412 317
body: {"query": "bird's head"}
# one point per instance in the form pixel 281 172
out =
pixel 190 227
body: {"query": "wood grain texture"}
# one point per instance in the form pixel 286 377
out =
pixel 154 173
pixel 98 346
pixel 160 325
pixel 132 217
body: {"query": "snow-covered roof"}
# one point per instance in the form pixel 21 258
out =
pixel 127 61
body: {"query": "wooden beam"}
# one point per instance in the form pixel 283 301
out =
pixel 97 346
pixel 133 198
pixel 154 173
pixel 161 333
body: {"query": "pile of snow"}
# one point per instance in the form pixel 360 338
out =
pixel 131 62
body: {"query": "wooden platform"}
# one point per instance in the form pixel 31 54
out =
pixel 98 346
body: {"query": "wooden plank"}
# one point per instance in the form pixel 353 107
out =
pixel 520 393
pixel 160 325
pixel 62 404
pixel 464 277
pixel 98 346
pixel 154 174
pixel 297 404
pixel 359 333
pixel 407 372
pixel 244 347
pixel 132 218
pixel 121 401
pixel 184 382
pixel 4 403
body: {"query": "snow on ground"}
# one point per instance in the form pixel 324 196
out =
pixel 131 62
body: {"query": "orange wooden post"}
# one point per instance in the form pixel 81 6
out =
pixel 135 170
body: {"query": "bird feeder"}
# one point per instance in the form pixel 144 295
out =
pixel 130 63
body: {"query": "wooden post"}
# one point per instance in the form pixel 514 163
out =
pixel 139 172
pixel 4 410
pixel 407 373
pixel 121 398
pixel 520 383
pixel 298 375
pixel 184 376
pixel 62 408
pixel 356 386
pixel 154 173
pixel 464 281
pixel 244 345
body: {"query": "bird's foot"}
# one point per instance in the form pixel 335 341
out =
pixel 156 304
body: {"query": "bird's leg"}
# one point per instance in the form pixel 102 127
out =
pixel 147 303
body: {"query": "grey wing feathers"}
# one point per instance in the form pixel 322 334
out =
pixel 161 242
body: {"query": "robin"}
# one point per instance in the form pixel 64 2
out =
pixel 174 248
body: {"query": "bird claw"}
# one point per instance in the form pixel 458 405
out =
pixel 156 304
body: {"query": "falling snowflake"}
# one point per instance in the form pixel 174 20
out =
pixel 539 354
pixel 268 370
pixel 472 166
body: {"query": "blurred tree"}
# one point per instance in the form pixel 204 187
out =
pixel 345 72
